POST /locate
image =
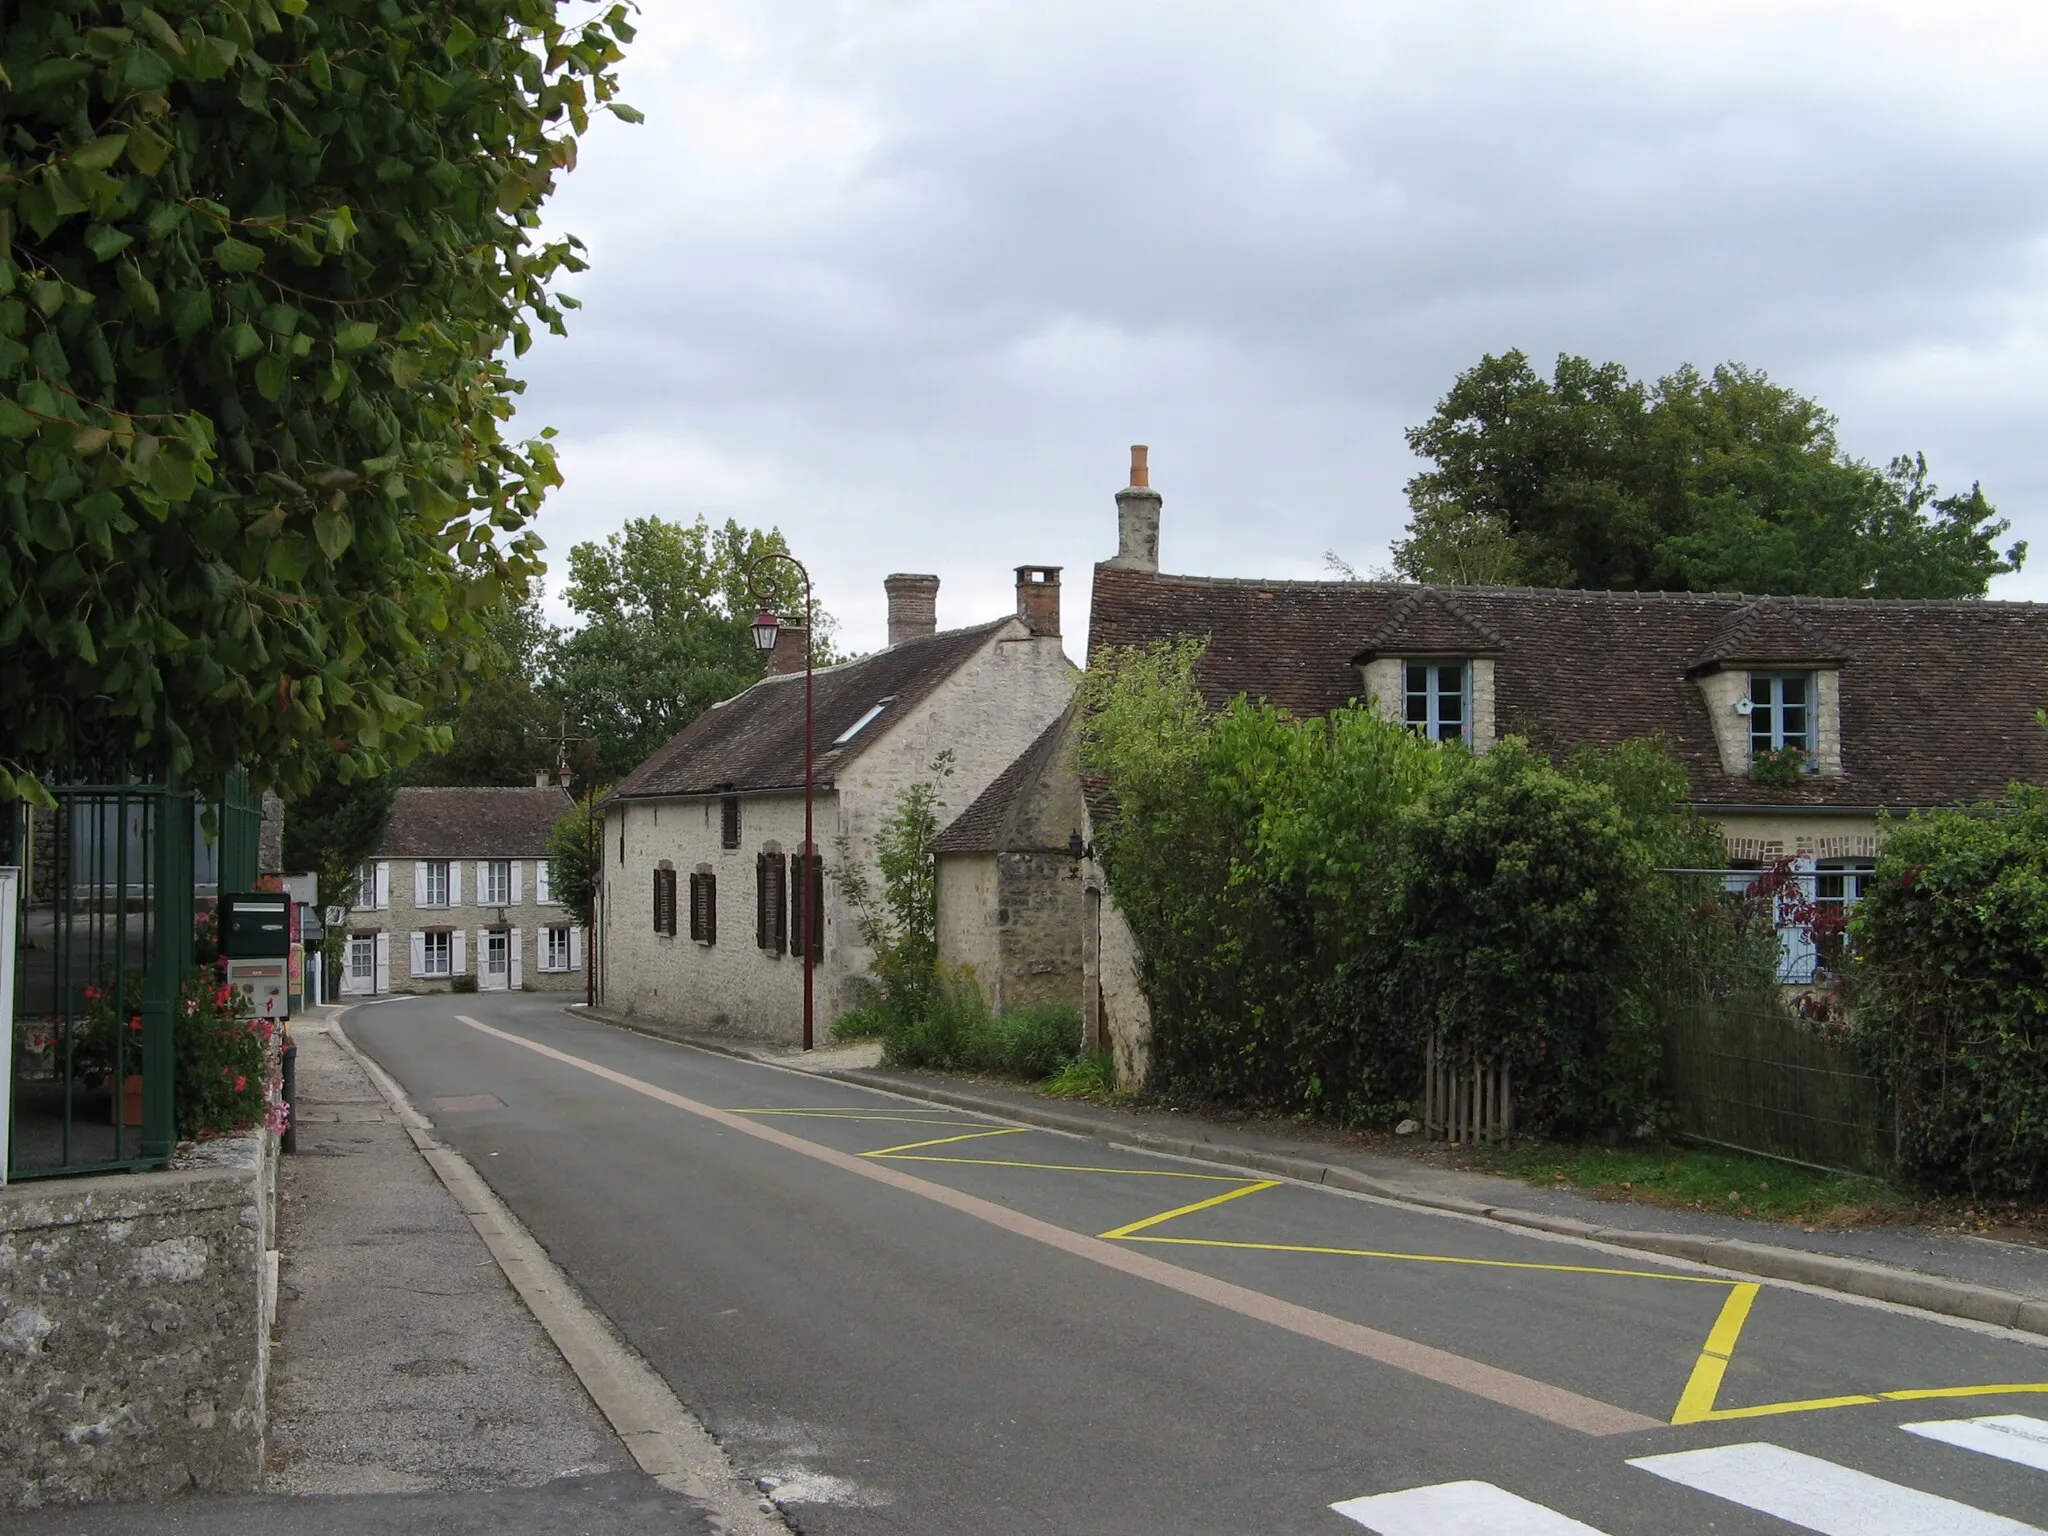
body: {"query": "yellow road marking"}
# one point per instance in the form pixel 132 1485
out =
pixel 943 1141
pixel 1696 1402
pixel 1908 1395
pixel 855 1114
pixel 998 1162
pixel 1431 1258
pixel 1189 1210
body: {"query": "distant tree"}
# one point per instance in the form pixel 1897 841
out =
pixel 261 268
pixel 665 634
pixel 331 827
pixel 569 855
pixel 1720 482
pixel 499 733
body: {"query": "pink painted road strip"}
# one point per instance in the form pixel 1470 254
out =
pixel 1555 1404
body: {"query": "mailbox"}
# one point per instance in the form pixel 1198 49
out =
pixel 255 938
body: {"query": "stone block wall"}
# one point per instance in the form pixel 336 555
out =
pixel 1039 904
pixel 135 1314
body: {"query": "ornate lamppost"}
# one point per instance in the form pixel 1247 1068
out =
pixel 766 629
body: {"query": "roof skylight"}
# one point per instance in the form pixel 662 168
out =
pixel 862 723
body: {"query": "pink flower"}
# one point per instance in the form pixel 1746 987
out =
pixel 241 1083
pixel 93 994
pixel 191 1006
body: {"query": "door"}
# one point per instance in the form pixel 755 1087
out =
pixel 360 975
pixel 497 968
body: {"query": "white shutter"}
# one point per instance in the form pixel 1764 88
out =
pixel 419 882
pixel 382 961
pixel 542 869
pixel 419 954
pixel 518 957
pixel 518 881
pixel 383 886
pixel 575 949
pixel 455 882
pixel 458 964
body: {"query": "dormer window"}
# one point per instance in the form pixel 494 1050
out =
pixel 1437 697
pixel 1781 712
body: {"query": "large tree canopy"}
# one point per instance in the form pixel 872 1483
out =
pixel 259 264
pixel 666 609
pixel 1720 482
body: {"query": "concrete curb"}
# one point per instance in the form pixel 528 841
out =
pixel 1855 1277
pixel 662 1436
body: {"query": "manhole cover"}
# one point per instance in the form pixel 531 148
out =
pixel 462 1101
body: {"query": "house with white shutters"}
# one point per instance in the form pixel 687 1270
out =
pixel 459 887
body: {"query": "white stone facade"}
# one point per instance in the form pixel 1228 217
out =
pixel 419 924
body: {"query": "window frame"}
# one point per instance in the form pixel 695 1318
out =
pixel 437 867
pixel 665 901
pixel 497 892
pixel 1431 725
pixel 446 939
pixel 549 935
pixel 729 828
pixel 365 946
pixel 1775 738
pixel 703 907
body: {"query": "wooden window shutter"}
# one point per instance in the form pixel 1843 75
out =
pixel 657 901
pixel 710 908
pixel 778 913
pixel 814 893
pixel 697 907
pixel 729 821
pixel 761 861
pixel 802 892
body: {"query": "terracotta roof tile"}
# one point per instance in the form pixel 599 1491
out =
pixel 1938 698
pixel 1766 633
pixel 464 822
pixel 985 826
pixel 755 740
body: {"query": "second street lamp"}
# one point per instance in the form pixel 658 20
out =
pixel 767 630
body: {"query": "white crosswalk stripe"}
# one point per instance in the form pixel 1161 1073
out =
pixel 1819 1496
pixel 2008 1436
pixel 1458 1509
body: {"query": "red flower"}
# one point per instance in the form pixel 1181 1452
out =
pixel 136 1022
pixel 241 1083
pixel 93 994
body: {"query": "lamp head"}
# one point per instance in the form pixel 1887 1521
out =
pixel 766 626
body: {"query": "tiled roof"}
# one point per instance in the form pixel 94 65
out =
pixel 1938 698
pixel 986 825
pixel 755 741
pixel 472 822
pixel 1764 632
pixel 1428 620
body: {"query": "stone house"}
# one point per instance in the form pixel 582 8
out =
pixel 459 887
pixel 1798 720
pixel 702 850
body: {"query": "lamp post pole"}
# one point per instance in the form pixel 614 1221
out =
pixel 766 628
pixel 563 777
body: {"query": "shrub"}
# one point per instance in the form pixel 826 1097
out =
pixel 225 1060
pixel 462 984
pixel 958 1032
pixel 899 922
pixel 1950 985
pixel 1034 1043
pixel 859 1024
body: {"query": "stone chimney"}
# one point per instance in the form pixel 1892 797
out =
pixel 1137 519
pixel 1038 598
pixel 543 779
pixel 913 606
pixel 792 643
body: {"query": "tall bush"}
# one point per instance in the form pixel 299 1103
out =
pixel 1950 982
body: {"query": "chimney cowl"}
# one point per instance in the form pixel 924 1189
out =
pixel 792 649
pixel 913 606
pixel 1038 598
pixel 1137 518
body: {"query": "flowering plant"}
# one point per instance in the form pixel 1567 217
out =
pixel 227 1061
pixel 1780 768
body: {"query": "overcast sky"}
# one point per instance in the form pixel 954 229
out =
pixel 905 278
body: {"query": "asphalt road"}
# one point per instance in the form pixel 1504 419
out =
pixel 901 1318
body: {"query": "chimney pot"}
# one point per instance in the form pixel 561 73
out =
pixel 1137 518
pixel 792 648
pixel 540 779
pixel 1038 598
pixel 913 606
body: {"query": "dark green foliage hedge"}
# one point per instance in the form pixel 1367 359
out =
pixel 1951 991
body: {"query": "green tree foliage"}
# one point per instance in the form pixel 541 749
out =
pixel 260 262
pixel 333 826
pixel 1950 988
pixel 898 920
pixel 1720 482
pixel 571 846
pixel 1312 899
pixel 500 732
pixel 666 612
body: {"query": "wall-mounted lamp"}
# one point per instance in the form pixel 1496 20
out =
pixel 1078 850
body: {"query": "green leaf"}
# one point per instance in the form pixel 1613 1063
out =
pixel 289 558
pixel 87 441
pixel 161 30
pixel 14 421
pixel 48 295
pixel 625 113
pixel 270 377
pixel 234 255
pixel 106 242
pixel 243 340
pixel 100 154
pixel 335 531
pixel 148 150
pixel 355 335
pixel 214 57
pixel 191 311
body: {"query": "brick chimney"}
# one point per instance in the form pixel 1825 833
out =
pixel 913 606
pixel 1137 519
pixel 1038 598
pixel 792 642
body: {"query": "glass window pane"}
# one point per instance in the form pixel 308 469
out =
pixel 1795 689
pixel 1450 679
pixel 1450 730
pixel 1418 709
pixel 1418 677
pixel 1450 708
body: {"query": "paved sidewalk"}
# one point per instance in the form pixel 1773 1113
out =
pixel 1945 1272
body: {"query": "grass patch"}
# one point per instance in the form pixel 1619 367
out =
pixel 958 1032
pixel 1090 1076
pixel 1705 1179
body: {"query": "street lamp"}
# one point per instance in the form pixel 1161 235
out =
pixel 767 628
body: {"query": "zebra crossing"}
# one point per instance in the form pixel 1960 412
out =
pixel 1804 1491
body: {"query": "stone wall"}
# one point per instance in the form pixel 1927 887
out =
pixel 135 1315
pixel 1039 907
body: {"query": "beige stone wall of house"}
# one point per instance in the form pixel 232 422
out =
pixel 1039 901
pixel 1789 835
pixel 1126 1016
pixel 969 928
pixel 469 922
pixel 732 985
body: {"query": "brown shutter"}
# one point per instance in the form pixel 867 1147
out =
pixel 657 901
pixel 801 892
pixel 729 821
pixel 710 908
pixel 778 914
pixel 696 906
pixel 815 895
pixel 761 863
